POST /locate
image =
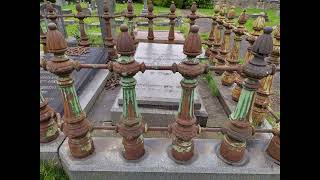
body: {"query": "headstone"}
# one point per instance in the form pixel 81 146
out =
pixel 145 6
pixel 60 22
pixel 59 2
pixel 72 42
pixel 93 5
pixel 87 11
pixel 159 90
pixel 51 90
pixel 66 11
pixel 112 7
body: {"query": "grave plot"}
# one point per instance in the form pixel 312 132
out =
pixel 163 79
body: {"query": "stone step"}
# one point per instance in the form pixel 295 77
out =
pixel 157 116
pixel 107 162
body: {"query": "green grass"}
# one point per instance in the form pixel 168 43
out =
pixel 212 84
pixel 271 119
pixel 50 171
pixel 139 6
pixel 274 19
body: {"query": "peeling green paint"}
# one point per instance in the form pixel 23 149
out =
pixel 243 105
pixel 129 96
pixel 70 96
pixel 189 94
pixel 41 97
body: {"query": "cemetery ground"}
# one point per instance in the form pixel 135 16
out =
pixel 94 31
pixel 207 83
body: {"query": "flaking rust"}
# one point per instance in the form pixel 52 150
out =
pixel 130 126
pixel 76 126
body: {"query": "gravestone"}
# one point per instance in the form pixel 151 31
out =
pixel 112 7
pixel 93 5
pixel 51 90
pixel 145 6
pixel 158 92
pixel 60 22
pixel 60 2
pixel 87 11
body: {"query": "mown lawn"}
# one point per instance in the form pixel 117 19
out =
pixel 95 38
pixel 50 171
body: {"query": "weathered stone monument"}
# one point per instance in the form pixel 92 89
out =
pixel 144 10
pixel 58 11
pixel 60 2
pixel 112 7
pixel 48 81
pixel 158 92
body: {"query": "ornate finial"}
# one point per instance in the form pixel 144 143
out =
pixel 105 7
pixel 78 7
pixel 150 8
pixel 263 44
pixel 125 43
pixel 259 23
pixel 193 7
pixel 223 10
pixel 192 44
pixel 55 40
pixel 50 7
pixel 216 9
pixel 172 7
pixel 243 18
pixel 130 7
pixel 231 15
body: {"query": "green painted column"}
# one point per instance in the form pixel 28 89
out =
pixel 185 128
pixel 130 126
pixel 238 130
pixel 76 126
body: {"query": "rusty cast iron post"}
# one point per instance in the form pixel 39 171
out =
pixel 130 15
pixel 225 45
pixel 217 36
pixel 184 129
pixel 109 43
pixel 84 40
pixel 262 101
pixel 172 16
pixel 210 41
pixel 258 26
pixel 49 130
pixel 193 16
pixel 238 129
pixel 150 17
pixel 228 77
pixel 217 45
pixel 131 126
pixel 76 126
pixel 273 148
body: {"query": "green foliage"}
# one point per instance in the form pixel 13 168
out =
pixel 271 119
pixel 50 171
pixel 211 83
pixel 183 4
